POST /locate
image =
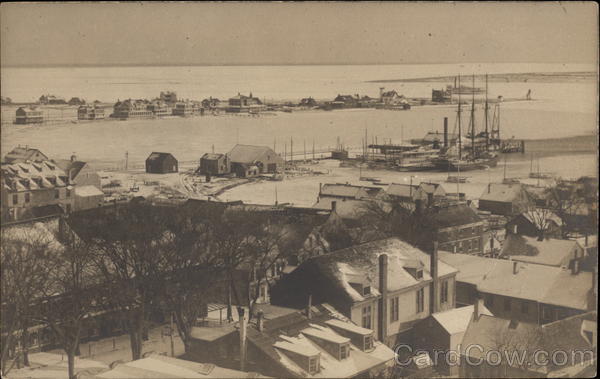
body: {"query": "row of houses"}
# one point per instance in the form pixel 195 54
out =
pixel 35 186
pixel 386 99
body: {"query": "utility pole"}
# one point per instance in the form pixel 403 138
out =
pixel 459 122
pixel 487 136
pixel 126 160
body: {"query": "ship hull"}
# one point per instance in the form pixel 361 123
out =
pixel 455 165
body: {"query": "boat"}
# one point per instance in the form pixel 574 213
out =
pixel 456 179
pixel 479 156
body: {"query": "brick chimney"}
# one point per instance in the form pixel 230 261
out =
pixel 575 266
pixel 445 132
pixel 515 267
pixel 243 324
pixel 433 271
pixel 383 284
pixel 333 206
pixel 477 309
pixel 309 308
pixel 260 321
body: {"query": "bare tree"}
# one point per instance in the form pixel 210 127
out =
pixel 25 269
pixel 72 295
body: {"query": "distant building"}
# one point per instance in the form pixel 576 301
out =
pixel 34 189
pixel 436 139
pixel 393 99
pixel 168 97
pixel 349 191
pixel 215 164
pixel 76 101
pixel 211 103
pixel 132 109
pixel 345 101
pixel 367 102
pixel 247 160
pixel 241 103
pixel 22 154
pixel 29 115
pixel 442 95
pixel 90 112
pixel 430 193
pixel 159 108
pixel 183 109
pixel 504 199
pixel 308 102
pixel 386 285
pixel 51 99
pixel 5 100
pixel 521 291
pixel 161 163
pixel 536 222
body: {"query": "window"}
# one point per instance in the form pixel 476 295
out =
pixel 419 274
pixel 68 208
pixel 344 351
pixel 313 365
pixel 366 317
pixel 368 342
pixel 524 307
pixel 394 309
pixel 444 292
pixel 56 193
pixel 489 301
pixel 27 197
pixel 68 192
pixel 507 304
pixel 421 300
pixel 15 199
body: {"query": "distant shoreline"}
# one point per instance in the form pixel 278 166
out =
pixel 531 77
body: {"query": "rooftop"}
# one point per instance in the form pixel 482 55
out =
pixel 501 192
pixel 549 251
pixel 248 153
pixel 544 284
pixel 457 320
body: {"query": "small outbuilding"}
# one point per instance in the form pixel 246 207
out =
pixel 215 164
pixel 247 160
pixel 161 163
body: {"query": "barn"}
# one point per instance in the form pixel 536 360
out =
pixel 248 160
pixel 161 163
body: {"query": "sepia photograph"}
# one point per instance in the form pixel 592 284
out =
pixel 299 189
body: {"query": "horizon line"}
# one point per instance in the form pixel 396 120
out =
pixel 51 65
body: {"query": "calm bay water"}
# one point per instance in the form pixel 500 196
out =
pixel 559 110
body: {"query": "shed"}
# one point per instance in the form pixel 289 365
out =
pixel 161 163
pixel 243 157
pixel 87 197
pixel 215 164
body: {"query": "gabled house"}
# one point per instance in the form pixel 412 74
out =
pixel 457 227
pixel 408 193
pixel 314 343
pixel 504 199
pixel 349 191
pixel 161 163
pixel 536 222
pixel 345 101
pixel 242 103
pixel 385 285
pixel 31 115
pixel 521 291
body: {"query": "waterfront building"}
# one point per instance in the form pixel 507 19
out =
pixel 211 103
pixel 349 191
pixel 241 103
pixel 345 101
pixel 248 160
pixel 308 102
pixel 90 112
pixel 385 285
pixel 504 199
pixel 525 292
pixel 169 97
pixel 316 342
pixel 442 95
pixel 392 99
pixel 30 115
pixel 161 163
pixel 159 108
pixel 215 164
pixel 76 101
pixel 131 109
pixel 80 173
pixel 34 189
pixel 22 154
pixel 187 108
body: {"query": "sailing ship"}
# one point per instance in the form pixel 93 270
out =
pixel 479 155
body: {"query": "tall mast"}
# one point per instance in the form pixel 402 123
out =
pixel 487 136
pixel 459 127
pixel 473 120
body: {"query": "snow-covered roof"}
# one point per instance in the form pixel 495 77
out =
pixel 457 320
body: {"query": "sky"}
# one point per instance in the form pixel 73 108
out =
pixel 296 33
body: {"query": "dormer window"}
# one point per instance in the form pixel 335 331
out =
pixel 366 290
pixel 344 351
pixel 419 274
pixel 313 365
pixel 367 343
